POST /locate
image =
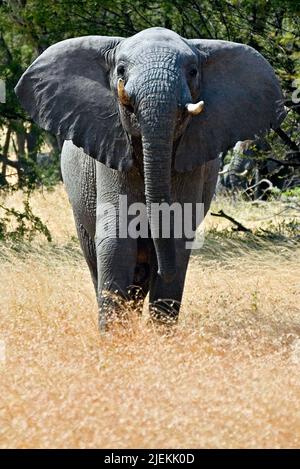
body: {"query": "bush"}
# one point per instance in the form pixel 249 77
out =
pixel 18 225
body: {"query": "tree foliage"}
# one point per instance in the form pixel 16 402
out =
pixel 28 27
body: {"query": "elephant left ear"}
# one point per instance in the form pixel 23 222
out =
pixel 242 100
pixel 67 91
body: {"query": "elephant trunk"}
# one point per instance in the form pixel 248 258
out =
pixel 157 120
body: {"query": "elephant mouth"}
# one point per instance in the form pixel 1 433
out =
pixel 129 120
pixel 132 125
pixel 182 120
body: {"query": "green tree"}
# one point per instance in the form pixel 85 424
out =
pixel 27 27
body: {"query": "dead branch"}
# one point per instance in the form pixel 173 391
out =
pixel 13 164
pixel 286 139
pixel 284 162
pixel 239 226
pixel 261 181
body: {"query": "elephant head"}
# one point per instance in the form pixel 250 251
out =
pixel 186 100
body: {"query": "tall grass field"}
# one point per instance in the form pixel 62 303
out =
pixel 227 376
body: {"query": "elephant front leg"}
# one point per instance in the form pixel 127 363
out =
pixel 115 266
pixel 123 279
pixel 165 298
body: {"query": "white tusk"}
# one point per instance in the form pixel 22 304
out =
pixel 243 174
pixel 195 109
pixel 225 171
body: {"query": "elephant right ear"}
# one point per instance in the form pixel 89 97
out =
pixel 242 100
pixel 67 92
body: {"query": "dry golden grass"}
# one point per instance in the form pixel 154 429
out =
pixel 226 376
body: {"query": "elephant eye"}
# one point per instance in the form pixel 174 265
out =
pixel 193 72
pixel 121 70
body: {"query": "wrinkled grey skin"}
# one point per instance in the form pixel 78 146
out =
pixel 152 150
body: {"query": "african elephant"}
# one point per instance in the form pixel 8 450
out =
pixel 243 170
pixel 146 117
pixel 253 170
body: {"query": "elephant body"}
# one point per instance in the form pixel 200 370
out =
pixel 89 184
pixel 146 117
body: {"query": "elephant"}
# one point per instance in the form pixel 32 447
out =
pixel 243 170
pixel 145 117
pixel 253 171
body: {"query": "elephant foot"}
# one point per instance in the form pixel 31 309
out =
pixel 113 320
pixel 112 311
pixel 164 312
pixel 118 310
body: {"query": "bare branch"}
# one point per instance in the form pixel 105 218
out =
pixel 239 226
pixel 286 139
pixel 284 162
pixel 8 162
